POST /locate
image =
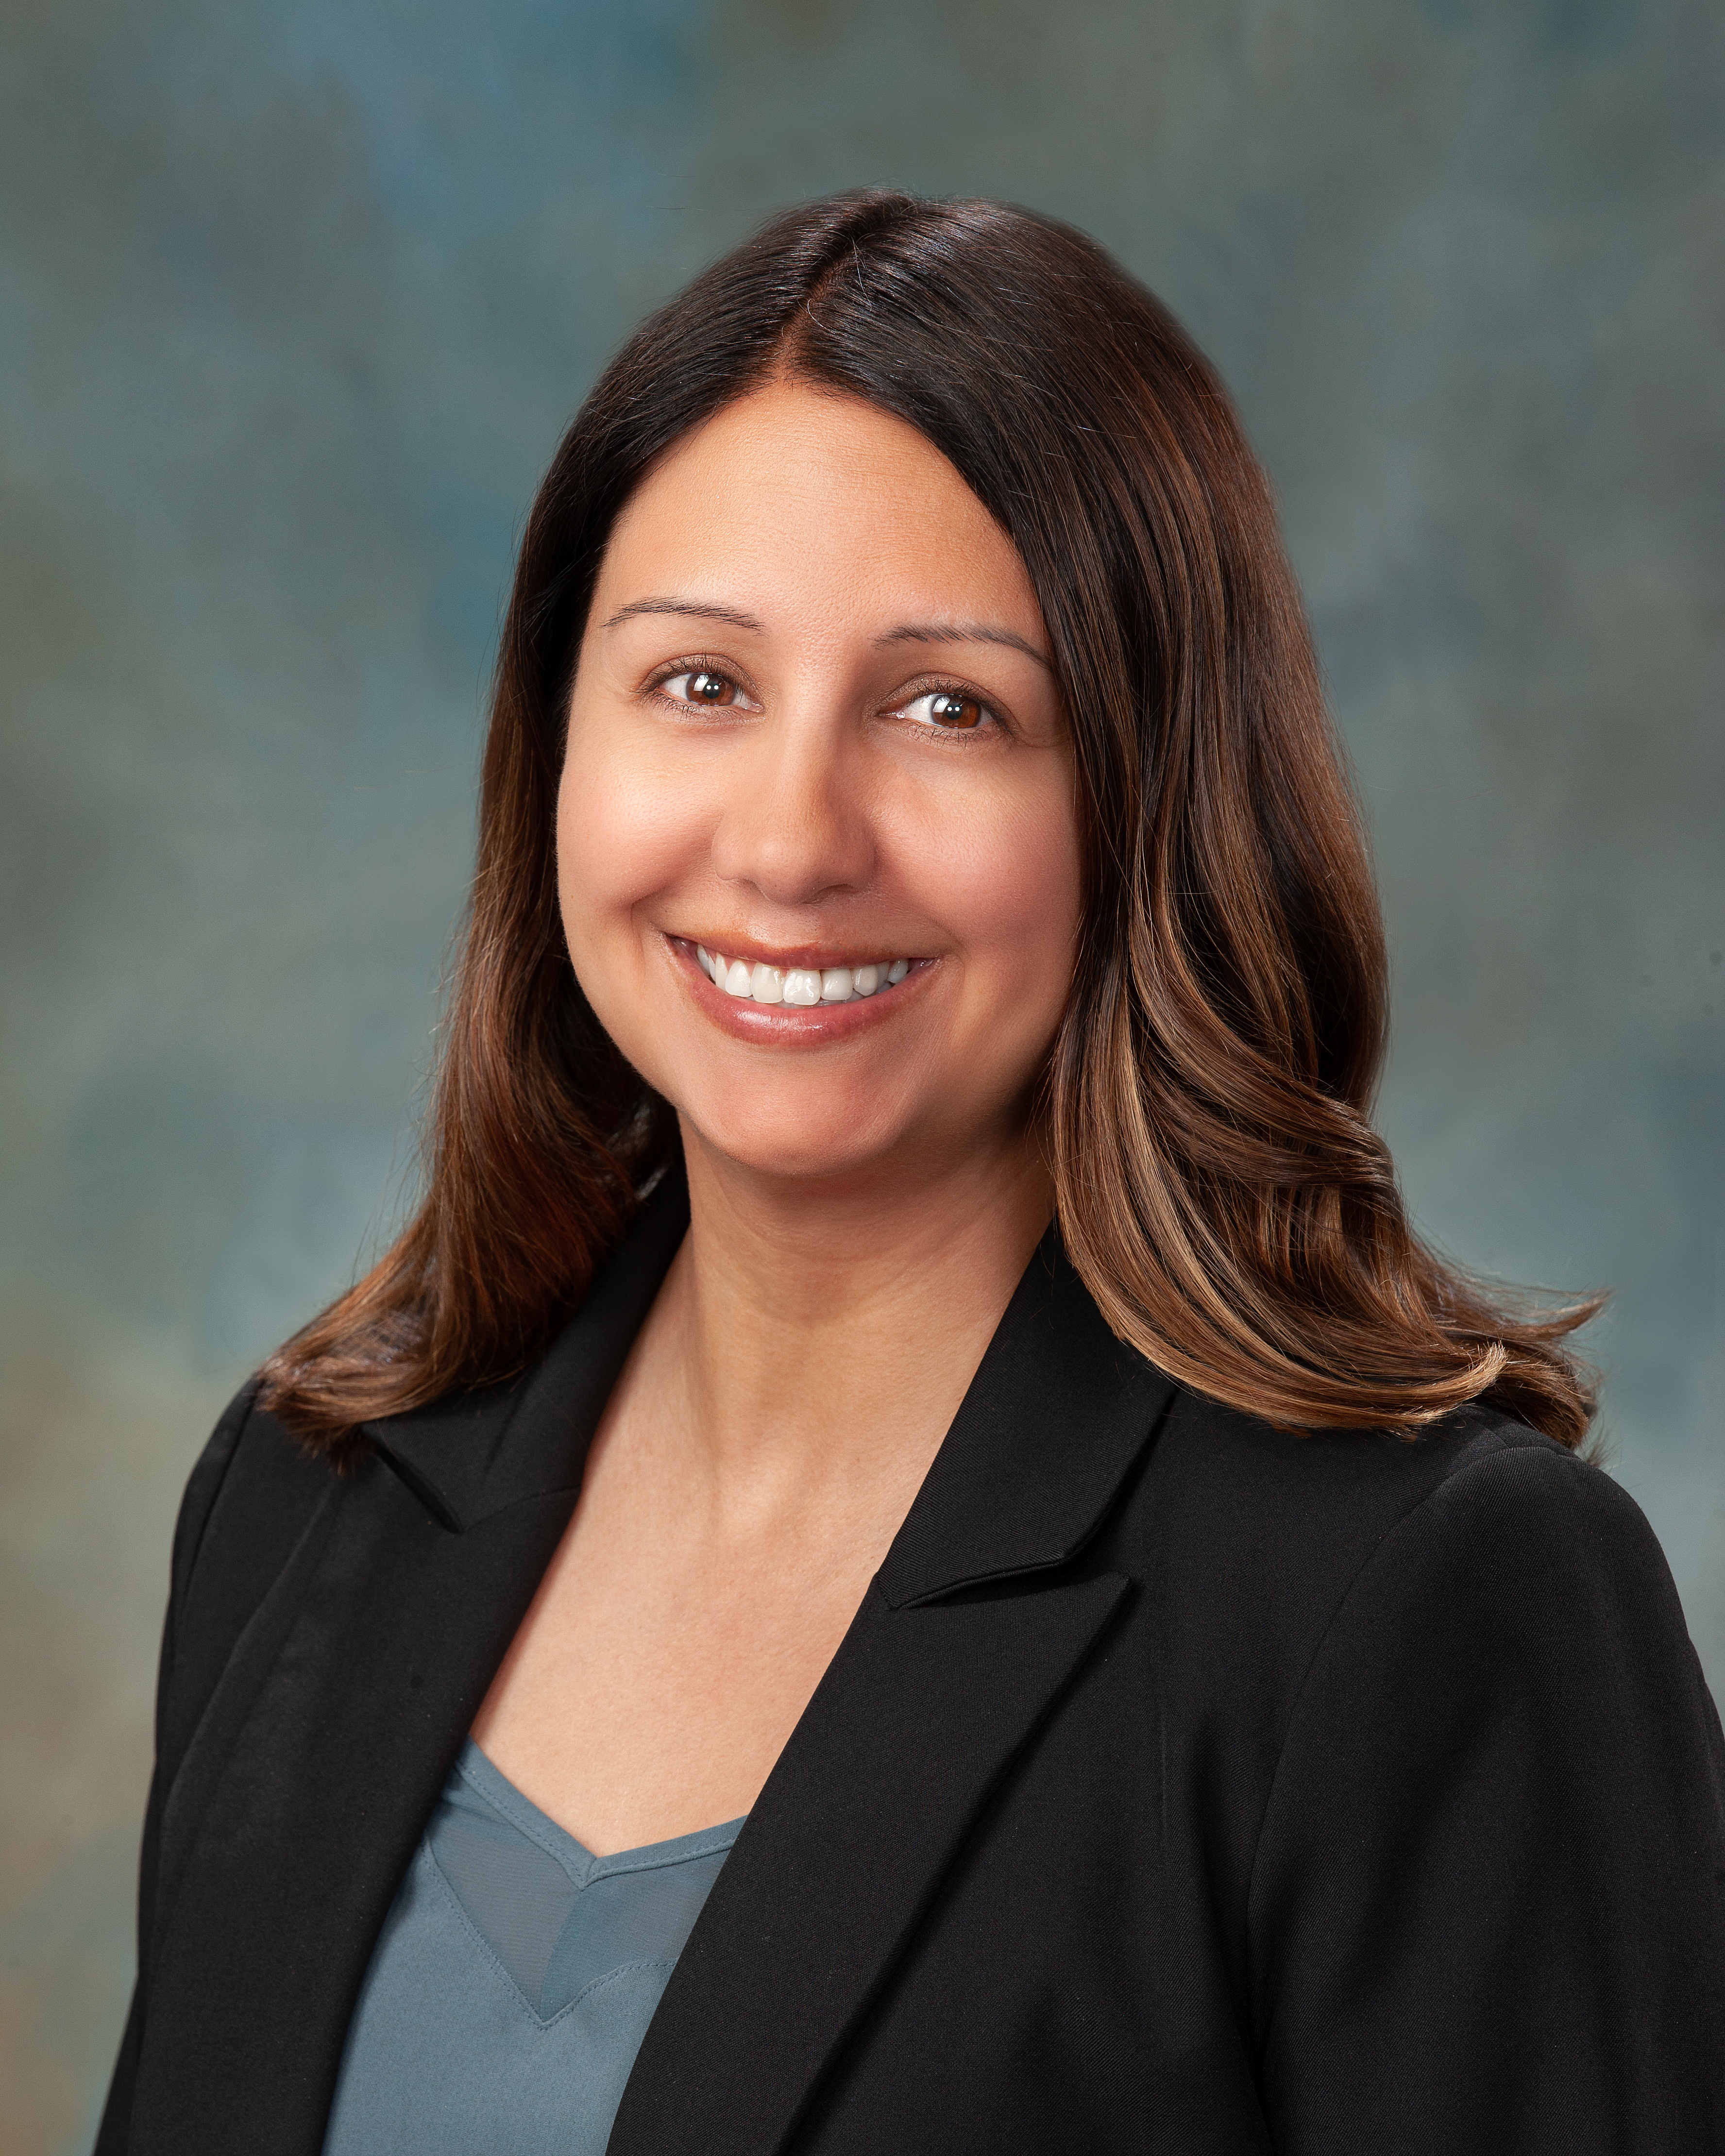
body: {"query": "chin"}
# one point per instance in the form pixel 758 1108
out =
pixel 803 1148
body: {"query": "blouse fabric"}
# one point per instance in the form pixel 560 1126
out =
pixel 513 1981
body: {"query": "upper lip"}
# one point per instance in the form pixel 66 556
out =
pixel 813 958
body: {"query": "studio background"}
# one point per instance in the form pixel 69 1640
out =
pixel 294 301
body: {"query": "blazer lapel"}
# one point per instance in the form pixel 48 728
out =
pixel 336 1722
pixel 937 1686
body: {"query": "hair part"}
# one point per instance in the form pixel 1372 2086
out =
pixel 1219 1183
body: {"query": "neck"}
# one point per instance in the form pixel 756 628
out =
pixel 827 1329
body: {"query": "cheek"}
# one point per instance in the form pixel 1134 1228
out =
pixel 1008 883
pixel 623 832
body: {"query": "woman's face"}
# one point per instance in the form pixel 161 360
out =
pixel 814 734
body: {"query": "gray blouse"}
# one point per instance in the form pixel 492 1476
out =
pixel 513 1981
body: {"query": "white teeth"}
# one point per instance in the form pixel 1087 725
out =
pixel 803 985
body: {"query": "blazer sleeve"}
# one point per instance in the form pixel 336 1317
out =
pixel 199 1503
pixel 1488 1909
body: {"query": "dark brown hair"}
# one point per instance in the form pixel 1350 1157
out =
pixel 1220 1186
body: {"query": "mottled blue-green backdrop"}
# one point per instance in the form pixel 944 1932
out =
pixel 293 301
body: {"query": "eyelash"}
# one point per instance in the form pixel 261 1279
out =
pixel 961 693
pixel 698 663
pixel 692 663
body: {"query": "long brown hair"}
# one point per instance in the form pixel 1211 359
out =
pixel 1220 1186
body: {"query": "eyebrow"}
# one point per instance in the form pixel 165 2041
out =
pixel 696 609
pixel 914 632
pixel 963 631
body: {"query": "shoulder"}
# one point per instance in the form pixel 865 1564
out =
pixel 1478 1547
pixel 1526 1591
pixel 1307 1513
pixel 1468 1644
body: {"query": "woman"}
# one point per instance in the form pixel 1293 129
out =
pixel 909 1511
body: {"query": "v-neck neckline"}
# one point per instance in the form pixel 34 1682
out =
pixel 488 1781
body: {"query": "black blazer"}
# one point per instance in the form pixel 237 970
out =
pixel 1180 1785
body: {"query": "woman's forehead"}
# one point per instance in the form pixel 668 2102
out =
pixel 795 502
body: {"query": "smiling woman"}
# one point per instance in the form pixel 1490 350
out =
pixel 909 1551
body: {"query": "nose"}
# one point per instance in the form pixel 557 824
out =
pixel 794 820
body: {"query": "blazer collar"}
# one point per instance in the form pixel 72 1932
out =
pixel 1056 1413
pixel 468 1456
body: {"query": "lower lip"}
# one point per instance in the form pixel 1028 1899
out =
pixel 790 1025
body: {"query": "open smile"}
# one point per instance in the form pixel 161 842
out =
pixel 761 998
pixel 804 985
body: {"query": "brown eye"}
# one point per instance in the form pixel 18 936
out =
pixel 704 688
pixel 961 713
